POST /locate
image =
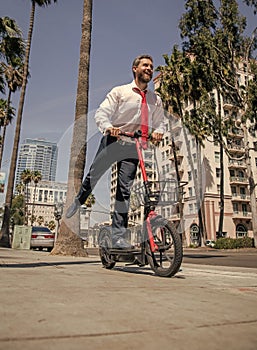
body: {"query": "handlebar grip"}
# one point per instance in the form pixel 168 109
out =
pixel 134 135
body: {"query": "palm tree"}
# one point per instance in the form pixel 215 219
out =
pixel 13 75
pixel 36 177
pixel 26 177
pixel 68 241
pixel 7 113
pixel 12 46
pixel 4 241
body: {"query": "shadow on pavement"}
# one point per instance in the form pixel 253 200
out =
pixel 44 264
pixel 141 271
pixel 203 256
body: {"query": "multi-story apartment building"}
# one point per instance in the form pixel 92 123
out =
pixel 38 154
pixel 43 198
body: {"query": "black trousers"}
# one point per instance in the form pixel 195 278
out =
pixel 110 150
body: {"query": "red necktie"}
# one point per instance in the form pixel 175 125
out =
pixel 144 119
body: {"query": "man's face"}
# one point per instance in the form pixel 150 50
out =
pixel 144 71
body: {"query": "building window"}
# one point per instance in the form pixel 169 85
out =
pixel 235 208
pixel 244 209
pixel 217 157
pixel 218 172
pixel 189 176
pixel 233 191
pixel 241 231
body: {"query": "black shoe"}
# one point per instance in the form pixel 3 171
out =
pixel 73 208
pixel 122 243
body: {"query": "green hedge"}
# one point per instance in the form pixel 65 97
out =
pixel 234 243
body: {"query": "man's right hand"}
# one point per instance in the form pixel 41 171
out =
pixel 113 132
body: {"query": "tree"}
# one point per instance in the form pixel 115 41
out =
pixel 4 241
pixel 36 177
pixel 12 50
pixel 215 38
pixel 13 76
pixel 177 86
pixel 26 177
pixel 17 213
pixel 68 241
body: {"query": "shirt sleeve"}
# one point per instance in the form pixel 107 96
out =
pixel 158 117
pixel 103 115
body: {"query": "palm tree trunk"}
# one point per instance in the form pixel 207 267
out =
pixel 33 204
pixel 4 129
pixel 252 186
pixel 4 241
pixel 222 209
pixel 180 192
pixel 68 241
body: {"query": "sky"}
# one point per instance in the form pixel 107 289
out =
pixel 122 29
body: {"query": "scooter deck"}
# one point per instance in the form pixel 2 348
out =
pixel 124 251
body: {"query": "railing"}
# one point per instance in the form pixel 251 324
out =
pixel 238 179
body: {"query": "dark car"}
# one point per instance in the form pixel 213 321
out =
pixel 42 237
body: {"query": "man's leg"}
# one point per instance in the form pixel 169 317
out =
pixel 105 156
pixel 126 173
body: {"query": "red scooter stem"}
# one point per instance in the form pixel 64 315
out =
pixel 135 136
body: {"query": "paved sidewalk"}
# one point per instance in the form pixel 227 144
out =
pixel 52 302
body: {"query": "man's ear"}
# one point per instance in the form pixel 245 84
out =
pixel 134 68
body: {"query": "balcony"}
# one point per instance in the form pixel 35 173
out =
pixel 179 156
pixel 238 180
pixel 180 172
pixel 240 197
pixel 242 215
pixel 175 217
pixel 236 164
pixel 235 132
pixel 236 148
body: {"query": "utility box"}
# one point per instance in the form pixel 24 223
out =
pixel 21 237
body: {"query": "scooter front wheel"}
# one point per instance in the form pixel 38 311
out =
pixel 105 243
pixel 166 261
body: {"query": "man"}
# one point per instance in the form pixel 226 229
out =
pixel 123 110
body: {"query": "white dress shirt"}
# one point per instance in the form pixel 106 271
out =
pixel 122 109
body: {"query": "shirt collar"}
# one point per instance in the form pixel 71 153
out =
pixel 135 87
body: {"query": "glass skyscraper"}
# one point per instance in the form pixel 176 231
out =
pixel 38 154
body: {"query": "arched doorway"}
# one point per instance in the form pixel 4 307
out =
pixel 195 235
pixel 241 231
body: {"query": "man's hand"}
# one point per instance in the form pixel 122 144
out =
pixel 156 138
pixel 113 132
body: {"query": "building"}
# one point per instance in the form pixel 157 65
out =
pixel 200 173
pixel 40 155
pixel 43 199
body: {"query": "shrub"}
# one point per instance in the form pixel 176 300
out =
pixel 234 243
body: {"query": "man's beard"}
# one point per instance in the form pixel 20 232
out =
pixel 144 78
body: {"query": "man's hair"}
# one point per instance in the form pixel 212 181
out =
pixel 138 59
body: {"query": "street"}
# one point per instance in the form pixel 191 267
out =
pixel 214 257
pixel 217 257
pixel 62 303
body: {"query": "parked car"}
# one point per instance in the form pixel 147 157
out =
pixel 42 237
pixel 210 243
